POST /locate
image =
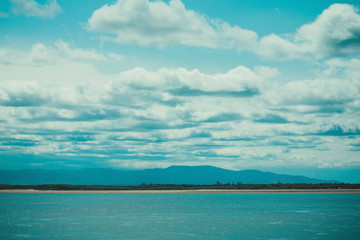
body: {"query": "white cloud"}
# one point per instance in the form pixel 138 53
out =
pixel 156 23
pixel 31 8
pixel 348 69
pixel 41 54
pixel 238 79
pixel 275 47
pixel 139 87
pixel 331 98
pixel 22 94
pixel 320 92
pixel 136 164
pixel 27 93
pixel 78 53
pixel 335 32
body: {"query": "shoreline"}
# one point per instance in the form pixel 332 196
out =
pixel 198 191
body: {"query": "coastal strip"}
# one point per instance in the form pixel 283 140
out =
pixel 197 191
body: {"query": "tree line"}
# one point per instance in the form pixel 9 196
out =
pixel 218 185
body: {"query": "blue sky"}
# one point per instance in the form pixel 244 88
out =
pixel 268 85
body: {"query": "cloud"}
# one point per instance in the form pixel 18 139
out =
pixel 224 117
pixel 335 32
pixel 318 92
pixel 186 91
pixel 138 87
pixel 41 54
pixel 81 54
pixel 18 142
pixel 337 130
pixel 22 94
pixel 80 114
pixel 336 89
pixel 276 47
pixel 354 146
pixel 272 118
pixel 141 164
pixel 297 142
pixel 31 8
pixel 236 80
pixel 143 22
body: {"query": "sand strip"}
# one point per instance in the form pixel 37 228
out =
pixel 199 191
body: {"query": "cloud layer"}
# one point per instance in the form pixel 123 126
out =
pixel 237 119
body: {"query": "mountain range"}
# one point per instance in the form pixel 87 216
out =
pixel 170 175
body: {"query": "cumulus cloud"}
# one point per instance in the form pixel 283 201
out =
pixel 319 91
pixel 139 87
pixel 31 8
pixel 160 24
pixel 22 94
pixel 335 90
pixel 335 32
pixel 237 79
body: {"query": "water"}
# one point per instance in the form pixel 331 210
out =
pixel 180 216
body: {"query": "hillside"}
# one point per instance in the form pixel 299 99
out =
pixel 170 175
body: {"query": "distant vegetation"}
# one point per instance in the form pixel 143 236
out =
pixel 218 185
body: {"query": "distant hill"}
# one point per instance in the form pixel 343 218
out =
pixel 170 175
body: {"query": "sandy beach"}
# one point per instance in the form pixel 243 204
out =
pixel 199 191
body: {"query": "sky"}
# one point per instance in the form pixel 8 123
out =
pixel 136 84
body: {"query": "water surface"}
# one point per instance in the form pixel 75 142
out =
pixel 179 216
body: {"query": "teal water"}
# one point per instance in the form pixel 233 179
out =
pixel 179 216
